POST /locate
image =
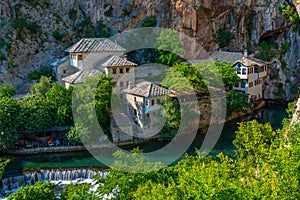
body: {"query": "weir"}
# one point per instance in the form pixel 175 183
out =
pixel 58 176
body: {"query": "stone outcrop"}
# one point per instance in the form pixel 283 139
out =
pixel 250 21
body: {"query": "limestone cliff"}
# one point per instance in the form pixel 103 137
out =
pixel 27 47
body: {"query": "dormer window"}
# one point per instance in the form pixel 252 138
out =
pixel 114 70
pixel 121 70
pixel 238 70
pixel 79 57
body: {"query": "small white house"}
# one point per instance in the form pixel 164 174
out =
pixel 253 72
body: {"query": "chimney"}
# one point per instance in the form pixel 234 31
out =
pixel 245 53
pixel 129 85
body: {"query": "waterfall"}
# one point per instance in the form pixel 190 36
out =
pixel 58 176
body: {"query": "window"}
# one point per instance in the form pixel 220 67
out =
pixel 244 71
pixel 157 101
pixel 255 69
pixel 135 112
pixel 238 70
pixel 243 84
pixel 79 57
pixel 152 102
pixel 236 85
pixel 114 70
pixel 121 70
pixel 74 57
pixel 250 84
pixel 250 70
pixel 134 99
pixel 121 84
pixel 127 69
pixel 147 103
pixel 64 71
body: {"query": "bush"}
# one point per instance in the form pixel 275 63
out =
pixel 264 45
pixel 37 74
pixel 289 12
pixel 149 22
pixel 38 191
pixel 58 35
pixel 223 37
pixel 73 14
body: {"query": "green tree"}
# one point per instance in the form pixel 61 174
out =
pixel 40 190
pixel 60 100
pixel 254 140
pixel 192 75
pixel 169 47
pixel 99 87
pixel 227 73
pixel 223 37
pixel 172 113
pixel 78 192
pixel 125 175
pixel 7 91
pixel 42 86
pixel 9 123
pixel 36 113
pixel 236 101
pixel 174 81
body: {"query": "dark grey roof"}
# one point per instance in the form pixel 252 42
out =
pixel 116 61
pixel 147 89
pixel 226 56
pixel 95 45
pixel 78 77
pixel 121 119
pixel 250 61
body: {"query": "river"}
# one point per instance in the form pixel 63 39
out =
pixel 79 167
pixel 270 113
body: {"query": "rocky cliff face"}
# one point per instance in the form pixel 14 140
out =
pixel 250 22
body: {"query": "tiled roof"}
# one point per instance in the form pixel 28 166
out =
pixel 78 77
pixel 250 61
pixel 147 89
pixel 121 119
pixel 116 61
pixel 95 45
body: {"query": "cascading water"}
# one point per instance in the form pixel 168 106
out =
pixel 58 176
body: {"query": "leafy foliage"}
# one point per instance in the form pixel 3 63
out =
pixel 9 123
pixel 43 71
pixel 3 163
pixel 237 101
pixel 169 47
pixel 41 87
pixel 100 105
pixel 289 12
pixel 223 37
pixel 78 192
pixel 172 114
pixel 149 22
pixel 40 190
pixel 7 91
pixel 59 35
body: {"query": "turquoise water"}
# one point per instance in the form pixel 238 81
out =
pixel 271 113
